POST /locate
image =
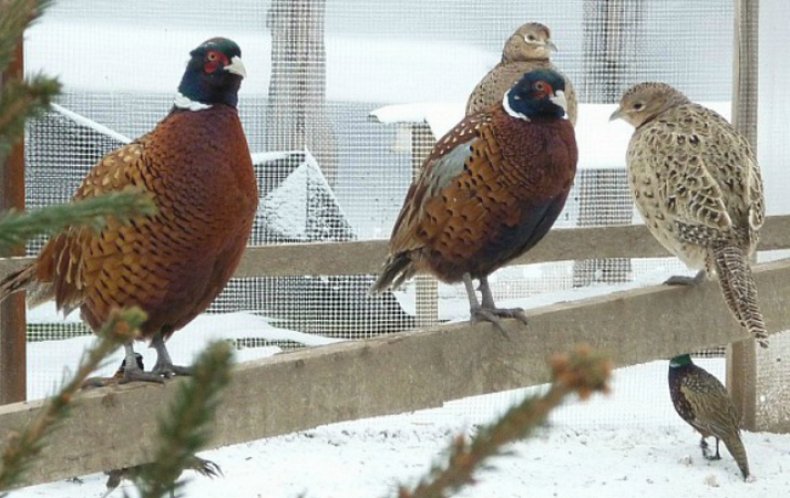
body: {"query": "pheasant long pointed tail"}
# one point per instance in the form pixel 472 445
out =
pixel 397 270
pixel 17 281
pixel 739 290
pixel 738 451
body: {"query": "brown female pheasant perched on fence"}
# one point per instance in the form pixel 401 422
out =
pixel 697 185
pixel 490 190
pixel 196 165
pixel 528 48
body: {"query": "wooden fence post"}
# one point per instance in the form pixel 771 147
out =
pixel 427 288
pixel 296 113
pixel 612 32
pixel 741 356
pixel 13 337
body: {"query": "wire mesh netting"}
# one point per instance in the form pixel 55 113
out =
pixel 330 171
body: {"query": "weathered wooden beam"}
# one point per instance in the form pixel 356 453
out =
pixel 401 372
pixel 742 365
pixel 13 339
pixel 361 257
pixel 567 244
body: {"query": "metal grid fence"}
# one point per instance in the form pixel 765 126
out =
pixel 317 70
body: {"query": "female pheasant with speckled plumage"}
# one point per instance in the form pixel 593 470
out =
pixel 702 401
pixel 698 187
pixel 489 191
pixel 196 165
pixel 529 48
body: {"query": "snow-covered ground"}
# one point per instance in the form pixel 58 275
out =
pixel 627 444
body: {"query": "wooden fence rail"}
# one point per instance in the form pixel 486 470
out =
pixel 362 257
pixel 402 372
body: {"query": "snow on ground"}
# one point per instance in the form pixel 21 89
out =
pixel 613 446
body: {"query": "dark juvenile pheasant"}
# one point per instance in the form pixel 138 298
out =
pixel 490 190
pixel 528 48
pixel 196 165
pixel 702 401
pixel 697 185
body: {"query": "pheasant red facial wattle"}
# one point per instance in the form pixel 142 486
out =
pixel 196 165
pixel 488 192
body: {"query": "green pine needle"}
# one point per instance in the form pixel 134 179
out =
pixel 579 372
pixel 15 17
pixel 16 228
pixel 23 448
pixel 187 426
pixel 20 101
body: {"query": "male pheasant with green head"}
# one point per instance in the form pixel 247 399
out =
pixel 196 166
pixel 490 189
pixel 702 401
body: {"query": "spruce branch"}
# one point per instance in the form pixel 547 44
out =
pixel 22 100
pixel 23 448
pixel 187 426
pixel 580 371
pixel 15 17
pixel 16 228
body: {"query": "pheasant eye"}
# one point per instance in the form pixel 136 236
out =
pixel 531 38
pixel 213 57
pixel 638 106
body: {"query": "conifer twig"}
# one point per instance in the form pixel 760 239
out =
pixel 16 227
pixel 23 448
pixel 581 371
pixel 187 425
pixel 20 100
pixel 15 17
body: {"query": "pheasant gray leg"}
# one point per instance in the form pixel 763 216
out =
pixel 477 312
pixel 706 450
pixel 488 303
pixel 487 311
pixel 132 371
pixel 164 365
pixel 684 280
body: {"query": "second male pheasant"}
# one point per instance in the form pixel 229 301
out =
pixel 489 191
pixel 697 185
pixel 196 166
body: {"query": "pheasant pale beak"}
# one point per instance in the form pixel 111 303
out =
pixel 617 114
pixel 559 99
pixel 236 66
pixel 551 46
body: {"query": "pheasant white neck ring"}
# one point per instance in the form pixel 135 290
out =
pixel 509 110
pixel 183 102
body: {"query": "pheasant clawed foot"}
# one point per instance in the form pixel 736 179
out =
pixel 168 370
pixel 686 280
pixel 706 450
pixel 493 315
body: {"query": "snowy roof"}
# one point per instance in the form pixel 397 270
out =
pixel 602 144
pixel 383 69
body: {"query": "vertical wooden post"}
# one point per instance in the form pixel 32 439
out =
pixel 612 32
pixel 13 338
pixel 296 112
pixel 427 288
pixel 741 356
